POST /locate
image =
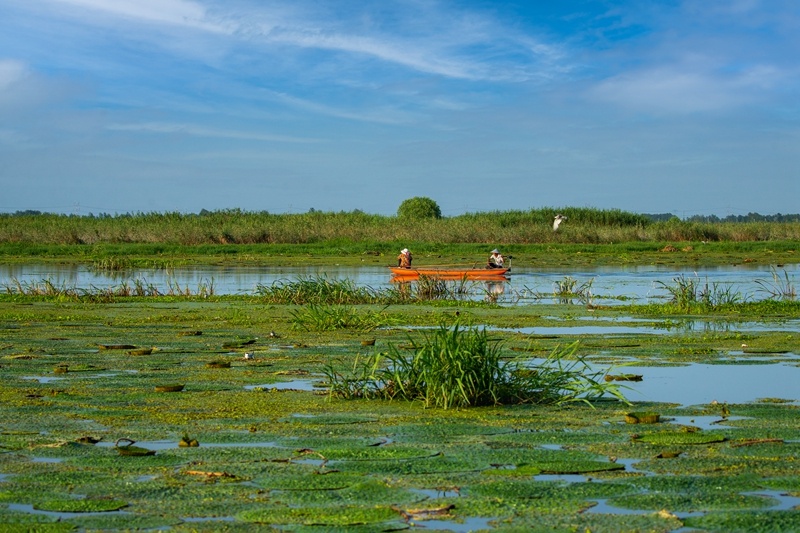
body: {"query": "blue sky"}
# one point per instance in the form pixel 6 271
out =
pixel 682 106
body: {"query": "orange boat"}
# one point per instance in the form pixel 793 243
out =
pixel 450 273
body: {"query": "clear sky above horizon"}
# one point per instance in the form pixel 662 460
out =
pixel 120 106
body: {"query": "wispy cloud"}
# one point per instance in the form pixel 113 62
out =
pixel 201 131
pixel 429 38
pixel 173 12
pixel 11 72
pixel 684 90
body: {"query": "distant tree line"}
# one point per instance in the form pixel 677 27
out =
pixel 749 217
pixel 422 207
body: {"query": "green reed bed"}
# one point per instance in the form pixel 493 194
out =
pixel 318 290
pixel 236 227
pixel 456 367
pixel 693 295
pixel 136 288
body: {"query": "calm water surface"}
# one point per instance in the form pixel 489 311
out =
pixel 609 285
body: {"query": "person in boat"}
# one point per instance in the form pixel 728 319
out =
pixel 496 260
pixel 404 259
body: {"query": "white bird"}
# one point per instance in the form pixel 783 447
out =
pixel 557 221
pixel 249 356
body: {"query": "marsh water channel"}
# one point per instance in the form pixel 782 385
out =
pixel 605 285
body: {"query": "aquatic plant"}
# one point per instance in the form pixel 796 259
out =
pixel 568 288
pixel 45 287
pixel 434 288
pixel 112 264
pixel 457 367
pixel 334 317
pixel 690 294
pixel 317 290
pixel 779 288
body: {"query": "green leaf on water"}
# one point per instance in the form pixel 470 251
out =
pixel 680 438
pixel 80 506
pixel 750 521
pixel 343 516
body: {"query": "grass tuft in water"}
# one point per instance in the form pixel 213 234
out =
pixel 317 290
pixel 690 294
pixel 779 288
pixel 456 367
pixel 335 317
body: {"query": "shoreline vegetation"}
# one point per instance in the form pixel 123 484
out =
pixel 589 237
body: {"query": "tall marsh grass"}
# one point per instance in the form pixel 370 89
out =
pixel 779 288
pixel 237 227
pixel 318 290
pixel 138 288
pixel 456 367
pixel 691 294
pixel 336 317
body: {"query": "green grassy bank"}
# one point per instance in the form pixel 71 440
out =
pixel 588 237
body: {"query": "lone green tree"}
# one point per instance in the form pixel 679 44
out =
pixel 419 207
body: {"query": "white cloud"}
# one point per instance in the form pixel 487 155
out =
pixel 11 72
pixel 174 12
pixel 684 90
pixel 201 131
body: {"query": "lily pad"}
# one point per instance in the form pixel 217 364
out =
pixel 80 506
pixel 755 522
pixel 680 438
pixel 116 346
pixel 238 344
pixel 134 451
pixel 331 481
pixel 175 387
pixel 642 417
pixel 316 516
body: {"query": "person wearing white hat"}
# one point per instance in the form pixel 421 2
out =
pixel 404 259
pixel 496 260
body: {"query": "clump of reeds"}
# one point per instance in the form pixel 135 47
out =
pixel 45 287
pixel 690 294
pixel 569 288
pixel 112 264
pixel 779 288
pixel 456 367
pixel 317 290
pixel 135 288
